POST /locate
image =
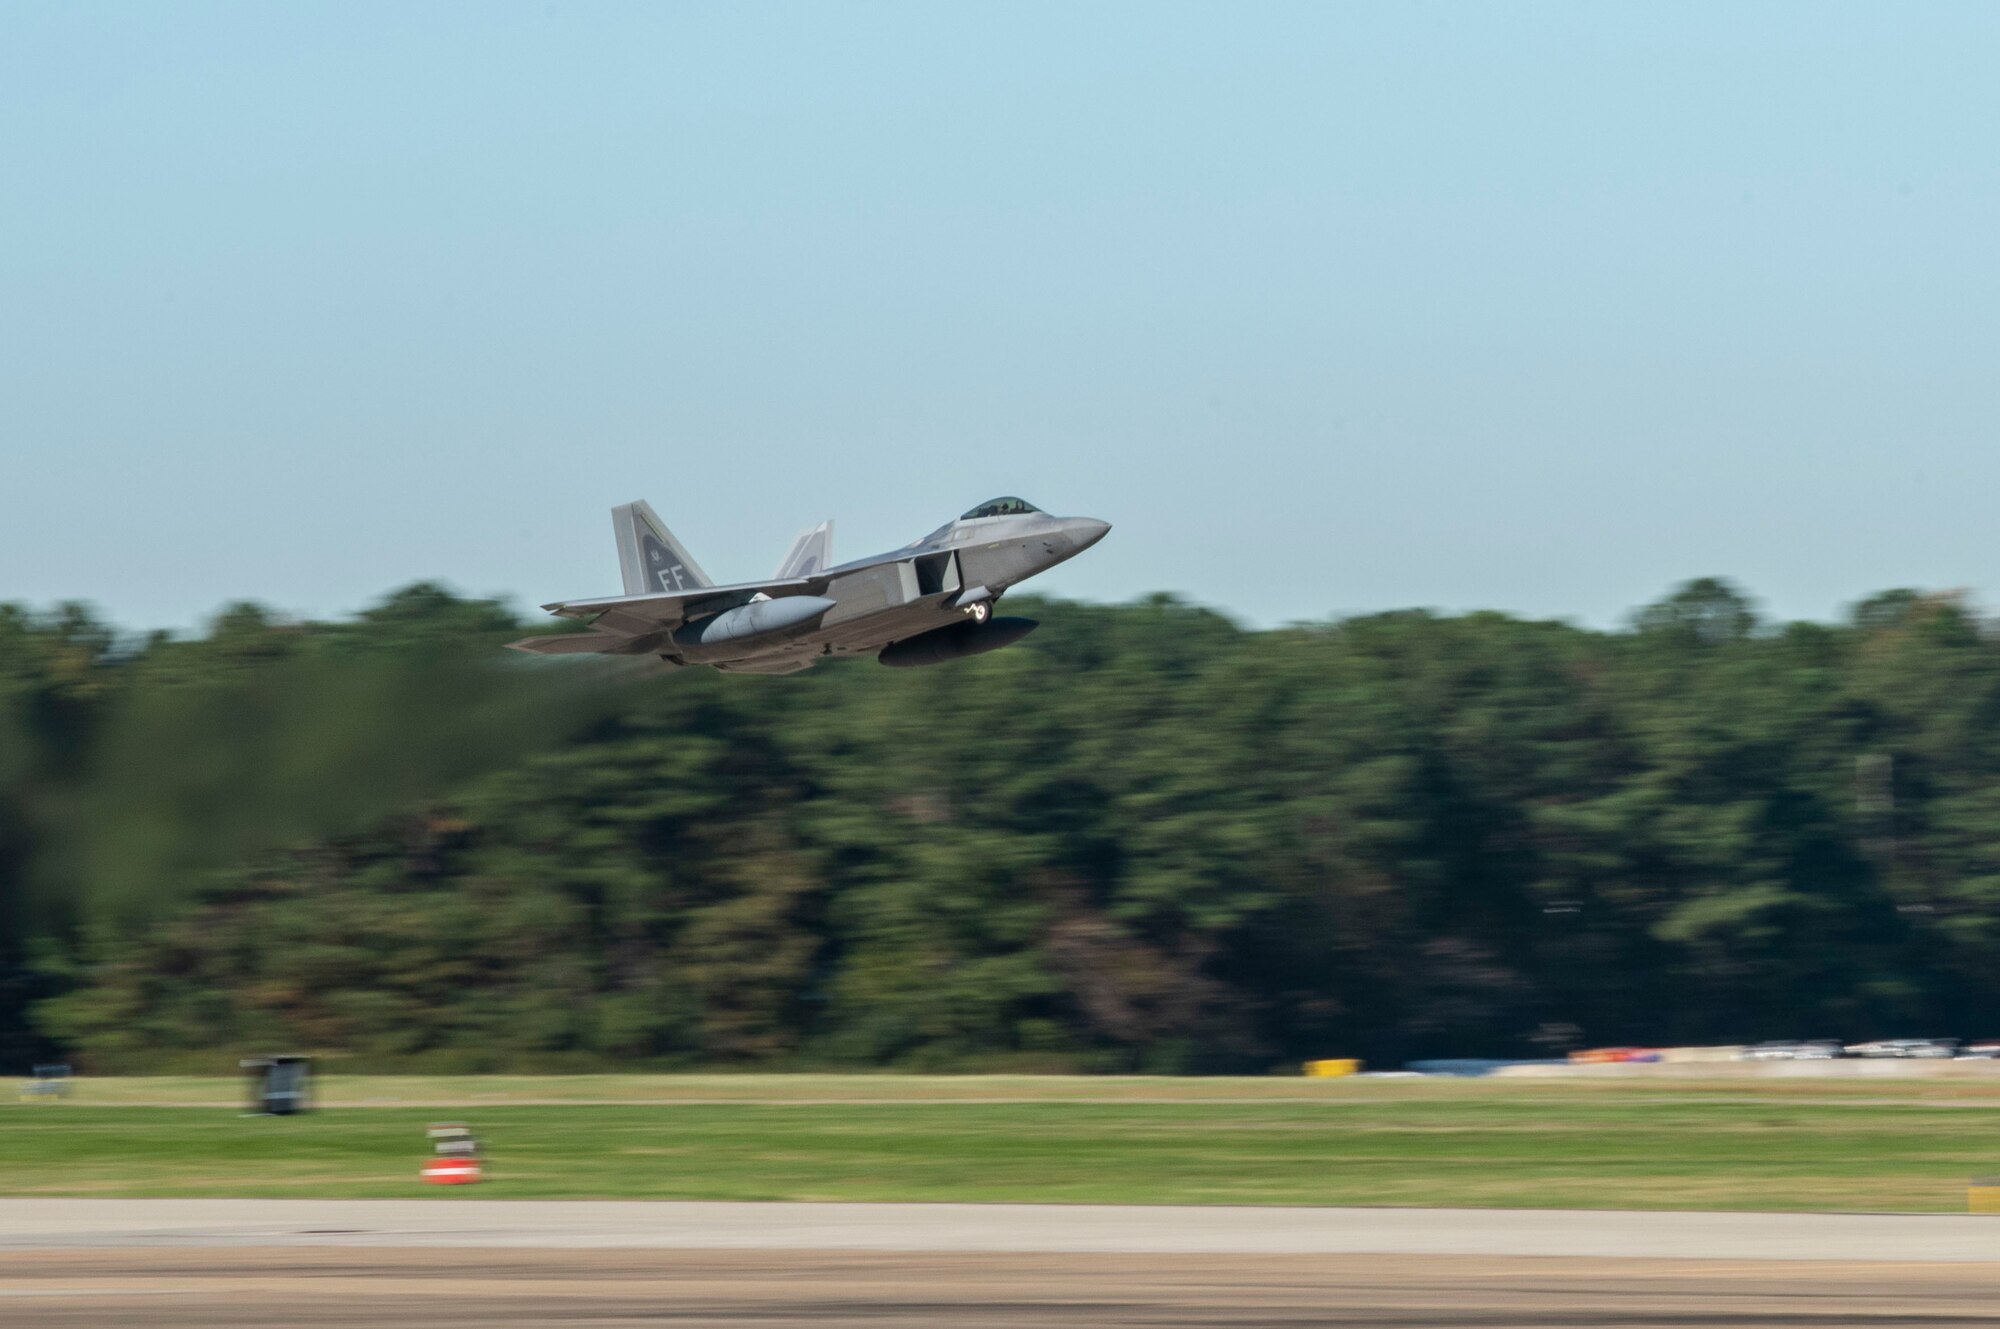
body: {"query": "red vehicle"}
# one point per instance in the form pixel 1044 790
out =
pixel 1602 1056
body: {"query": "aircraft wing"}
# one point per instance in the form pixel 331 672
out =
pixel 650 613
pixel 619 622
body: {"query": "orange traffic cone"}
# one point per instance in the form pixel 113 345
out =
pixel 451 1171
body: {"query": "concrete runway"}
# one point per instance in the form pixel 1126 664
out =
pixel 458 1220
pixel 456 1261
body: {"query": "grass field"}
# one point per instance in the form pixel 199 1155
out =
pixel 1790 1144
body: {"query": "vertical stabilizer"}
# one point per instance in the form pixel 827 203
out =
pixel 650 558
pixel 810 553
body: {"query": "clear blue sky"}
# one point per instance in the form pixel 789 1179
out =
pixel 1328 307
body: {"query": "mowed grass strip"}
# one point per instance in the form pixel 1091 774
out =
pixel 1956 1084
pixel 1412 1146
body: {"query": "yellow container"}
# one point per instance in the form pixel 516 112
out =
pixel 1334 1066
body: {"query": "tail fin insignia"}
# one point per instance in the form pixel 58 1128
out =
pixel 651 560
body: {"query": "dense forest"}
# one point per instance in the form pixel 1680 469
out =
pixel 1144 839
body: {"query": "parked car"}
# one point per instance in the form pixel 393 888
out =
pixel 1792 1049
pixel 1905 1047
pixel 1601 1056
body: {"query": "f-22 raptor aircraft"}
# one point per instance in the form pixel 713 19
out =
pixel 925 603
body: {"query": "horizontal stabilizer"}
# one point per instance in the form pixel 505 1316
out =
pixel 570 643
pixel 778 664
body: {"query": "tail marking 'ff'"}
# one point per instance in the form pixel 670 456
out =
pixel 652 561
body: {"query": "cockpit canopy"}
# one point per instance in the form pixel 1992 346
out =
pixel 1001 507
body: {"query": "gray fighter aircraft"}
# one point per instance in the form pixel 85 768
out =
pixel 925 603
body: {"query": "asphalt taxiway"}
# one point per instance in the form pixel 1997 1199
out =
pixel 455 1261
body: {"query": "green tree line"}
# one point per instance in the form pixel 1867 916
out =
pixel 1145 839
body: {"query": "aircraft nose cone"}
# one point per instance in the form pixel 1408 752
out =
pixel 1086 531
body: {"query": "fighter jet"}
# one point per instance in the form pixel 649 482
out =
pixel 926 603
